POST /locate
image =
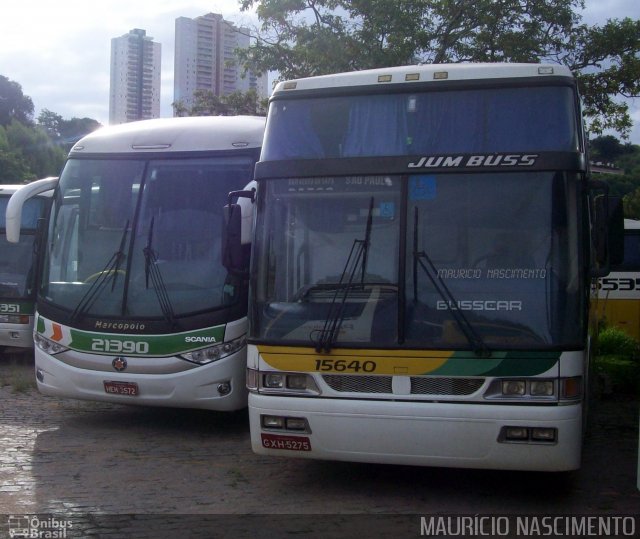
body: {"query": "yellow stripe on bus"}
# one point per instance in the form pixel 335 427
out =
pixel 398 362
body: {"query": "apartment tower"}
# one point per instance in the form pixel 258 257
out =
pixel 205 59
pixel 135 78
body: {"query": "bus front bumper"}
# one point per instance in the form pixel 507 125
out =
pixel 202 387
pixel 18 335
pixel 460 435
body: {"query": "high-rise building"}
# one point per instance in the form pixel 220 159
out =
pixel 135 78
pixel 205 59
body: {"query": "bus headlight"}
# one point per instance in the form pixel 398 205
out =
pixel 522 389
pixel 514 387
pixel 284 383
pixel 541 388
pixel 14 319
pixel 47 345
pixel 215 352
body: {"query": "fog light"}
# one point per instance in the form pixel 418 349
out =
pixel 296 423
pixel 272 421
pixel 224 388
pixel 517 433
pixel 40 375
pixel 543 434
pixel 513 387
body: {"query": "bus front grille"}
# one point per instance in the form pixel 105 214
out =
pixel 348 383
pixel 445 386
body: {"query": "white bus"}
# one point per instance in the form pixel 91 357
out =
pixel 618 298
pixel 421 268
pixel 134 305
pixel 17 271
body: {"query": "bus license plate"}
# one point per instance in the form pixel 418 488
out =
pixel 121 388
pixel 290 443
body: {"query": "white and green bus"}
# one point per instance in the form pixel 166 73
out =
pixel 18 271
pixel 134 305
pixel 421 268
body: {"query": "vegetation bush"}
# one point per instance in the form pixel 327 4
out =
pixel 614 341
pixel 617 362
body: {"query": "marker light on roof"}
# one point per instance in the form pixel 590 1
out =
pixel 412 76
pixel 290 85
pixel 440 75
pixel 384 78
pixel 546 70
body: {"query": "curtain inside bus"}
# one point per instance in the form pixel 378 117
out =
pixel 454 121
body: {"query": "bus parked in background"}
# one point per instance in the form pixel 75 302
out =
pixel 134 304
pixel 618 301
pixel 18 271
pixel 421 268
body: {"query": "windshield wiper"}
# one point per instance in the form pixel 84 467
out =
pixel 152 270
pixel 110 271
pixel 357 259
pixel 476 342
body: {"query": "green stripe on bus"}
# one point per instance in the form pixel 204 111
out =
pixel 145 345
pixel 506 364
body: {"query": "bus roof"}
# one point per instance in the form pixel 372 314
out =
pixel 190 134
pixel 433 73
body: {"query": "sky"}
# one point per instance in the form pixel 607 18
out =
pixel 59 52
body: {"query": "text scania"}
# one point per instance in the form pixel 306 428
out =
pixel 479 305
pixel 200 339
pixel 490 160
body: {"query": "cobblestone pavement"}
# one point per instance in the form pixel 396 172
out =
pixel 115 470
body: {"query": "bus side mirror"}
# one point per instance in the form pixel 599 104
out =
pixel 607 231
pixel 237 220
pixel 13 214
pixel 232 256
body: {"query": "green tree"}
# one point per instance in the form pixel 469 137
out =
pixel 13 167
pixel 50 122
pixel 606 148
pixel 300 38
pixel 74 129
pixel 67 132
pixel 206 103
pixel 32 147
pixel 14 105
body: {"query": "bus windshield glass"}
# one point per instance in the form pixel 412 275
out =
pixel 482 259
pixel 134 238
pixel 453 121
pixel 16 260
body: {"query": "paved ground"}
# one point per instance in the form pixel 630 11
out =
pixel 120 471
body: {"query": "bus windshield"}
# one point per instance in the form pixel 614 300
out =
pixel 433 122
pixel 16 260
pixel 137 238
pixel 481 259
